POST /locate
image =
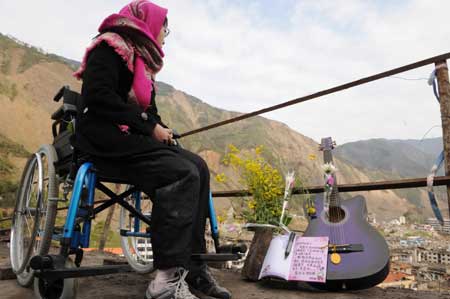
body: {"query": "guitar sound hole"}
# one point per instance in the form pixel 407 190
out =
pixel 336 214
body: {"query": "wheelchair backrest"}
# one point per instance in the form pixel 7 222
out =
pixel 72 103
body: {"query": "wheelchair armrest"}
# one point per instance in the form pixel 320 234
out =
pixel 58 114
pixel 65 108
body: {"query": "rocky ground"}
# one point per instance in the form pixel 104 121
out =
pixel 131 285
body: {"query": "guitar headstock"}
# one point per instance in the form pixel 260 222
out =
pixel 327 144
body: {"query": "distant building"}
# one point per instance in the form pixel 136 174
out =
pixel 394 222
pixel 413 241
pixel 399 280
pixel 402 220
pixel 437 225
pixel 402 267
pixel 446 227
pixel 144 250
pixel 424 227
pixel 402 255
pixel 436 256
pixel 432 273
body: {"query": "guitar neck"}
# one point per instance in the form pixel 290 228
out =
pixel 327 156
pixel 334 196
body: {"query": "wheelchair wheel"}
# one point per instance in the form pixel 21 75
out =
pixel 56 289
pixel 137 250
pixel 34 214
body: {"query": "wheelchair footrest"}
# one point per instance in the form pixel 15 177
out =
pixel 233 248
pixel 217 257
pixel 82 272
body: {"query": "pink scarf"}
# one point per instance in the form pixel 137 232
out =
pixel 128 33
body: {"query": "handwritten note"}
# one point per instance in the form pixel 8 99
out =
pixel 309 260
pixel 306 262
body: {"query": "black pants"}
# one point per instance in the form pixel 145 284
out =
pixel 177 181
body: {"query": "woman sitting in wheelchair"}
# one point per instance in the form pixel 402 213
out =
pixel 120 124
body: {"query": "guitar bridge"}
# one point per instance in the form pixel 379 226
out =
pixel 345 248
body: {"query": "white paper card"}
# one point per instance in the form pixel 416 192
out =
pixel 309 261
pixel 306 262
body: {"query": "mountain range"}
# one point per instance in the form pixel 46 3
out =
pixel 401 158
pixel 29 78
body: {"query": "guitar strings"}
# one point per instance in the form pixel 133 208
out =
pixel 338 214
pixel 341 218
pixel 334 213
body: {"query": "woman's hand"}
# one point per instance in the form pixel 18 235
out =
pixel 162 134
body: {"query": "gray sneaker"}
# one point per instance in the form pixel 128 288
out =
pixel 175 289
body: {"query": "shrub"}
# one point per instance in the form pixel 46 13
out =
pixel 7 193
pixel 262 180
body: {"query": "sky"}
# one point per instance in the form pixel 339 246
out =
pixel 247 55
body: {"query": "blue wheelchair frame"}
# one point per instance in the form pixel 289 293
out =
pixel 75 237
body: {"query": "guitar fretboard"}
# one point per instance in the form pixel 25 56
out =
pixel 327 146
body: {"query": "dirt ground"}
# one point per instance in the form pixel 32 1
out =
pixel 132 285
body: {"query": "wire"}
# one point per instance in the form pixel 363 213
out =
pixel 409 79
pixel 423 137
pixel 322 93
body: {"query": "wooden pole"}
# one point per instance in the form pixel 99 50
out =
pixel 444 97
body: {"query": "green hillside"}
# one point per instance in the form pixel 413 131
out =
pixel 32 55
pixel 9 150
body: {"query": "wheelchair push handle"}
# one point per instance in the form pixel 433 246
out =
pixel 60 93
pixel 71 101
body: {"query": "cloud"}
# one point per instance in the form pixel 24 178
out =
pixel 244 56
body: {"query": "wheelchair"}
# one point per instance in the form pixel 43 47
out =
pixel 59 174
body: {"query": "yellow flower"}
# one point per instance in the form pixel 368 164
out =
pixel 221 178
pixel 259 150
pixel 233 148
pixel 262 180
pixel 312 157
pixel 251 204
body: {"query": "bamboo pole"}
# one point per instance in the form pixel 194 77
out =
pixel 444 96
